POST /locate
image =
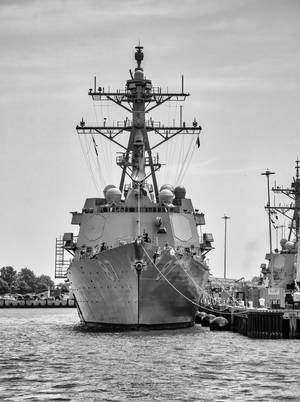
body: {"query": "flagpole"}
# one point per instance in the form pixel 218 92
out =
pixel 267 173
pixel 225 217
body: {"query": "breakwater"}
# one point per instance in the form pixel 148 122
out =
pixel 6 303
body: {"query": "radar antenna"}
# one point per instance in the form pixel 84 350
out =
pixel 297 168
pixel 139 56
pixel 139 98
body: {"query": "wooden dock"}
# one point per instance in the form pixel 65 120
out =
pixel 267 324
pixel 260 323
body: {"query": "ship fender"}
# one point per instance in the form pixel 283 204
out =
pixel 199 317
pixel 219 324
pixel 207 320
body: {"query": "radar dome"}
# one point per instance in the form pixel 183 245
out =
pixel 106 188
pixel 113 194
pixel 289 245
pixel 166 196
pixel 138 75
pixel 168 187
pixel 180 192
pixel 282 242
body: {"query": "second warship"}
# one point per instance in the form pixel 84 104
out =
pixel 139 258
pixel 282 273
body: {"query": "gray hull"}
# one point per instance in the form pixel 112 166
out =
pixel 110 293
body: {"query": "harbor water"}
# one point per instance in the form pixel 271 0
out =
pixel 46 356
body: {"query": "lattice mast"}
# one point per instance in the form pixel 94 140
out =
pixel 290 211
pixel 138 98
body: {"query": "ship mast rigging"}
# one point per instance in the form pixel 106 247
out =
pixel 290 211
pixel 138 98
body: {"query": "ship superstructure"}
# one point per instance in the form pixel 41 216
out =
pixel 283 270
pixel 139 257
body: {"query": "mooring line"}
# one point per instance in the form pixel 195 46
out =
pixel 174 287
pixel 178 291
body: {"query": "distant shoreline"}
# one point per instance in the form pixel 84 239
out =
pixel 68 303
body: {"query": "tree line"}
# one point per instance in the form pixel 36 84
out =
pixel 24 281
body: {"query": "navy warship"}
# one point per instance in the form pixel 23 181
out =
pixel 138 260
pixel 282 273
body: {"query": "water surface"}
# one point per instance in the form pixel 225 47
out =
pixel 46 356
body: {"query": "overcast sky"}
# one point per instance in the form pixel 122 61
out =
pixel 241 61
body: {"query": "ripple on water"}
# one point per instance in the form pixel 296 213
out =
pixel 45 355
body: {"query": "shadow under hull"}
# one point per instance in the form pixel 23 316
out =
pixel 103 327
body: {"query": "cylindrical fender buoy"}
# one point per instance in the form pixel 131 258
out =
pixel 219 324
pixel 199 316
pixel 207 320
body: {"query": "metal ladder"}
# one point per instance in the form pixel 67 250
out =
pixel 61 264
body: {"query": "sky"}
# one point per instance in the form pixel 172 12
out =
pixel 241 62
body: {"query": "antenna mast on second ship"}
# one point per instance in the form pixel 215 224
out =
pixel 294 194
